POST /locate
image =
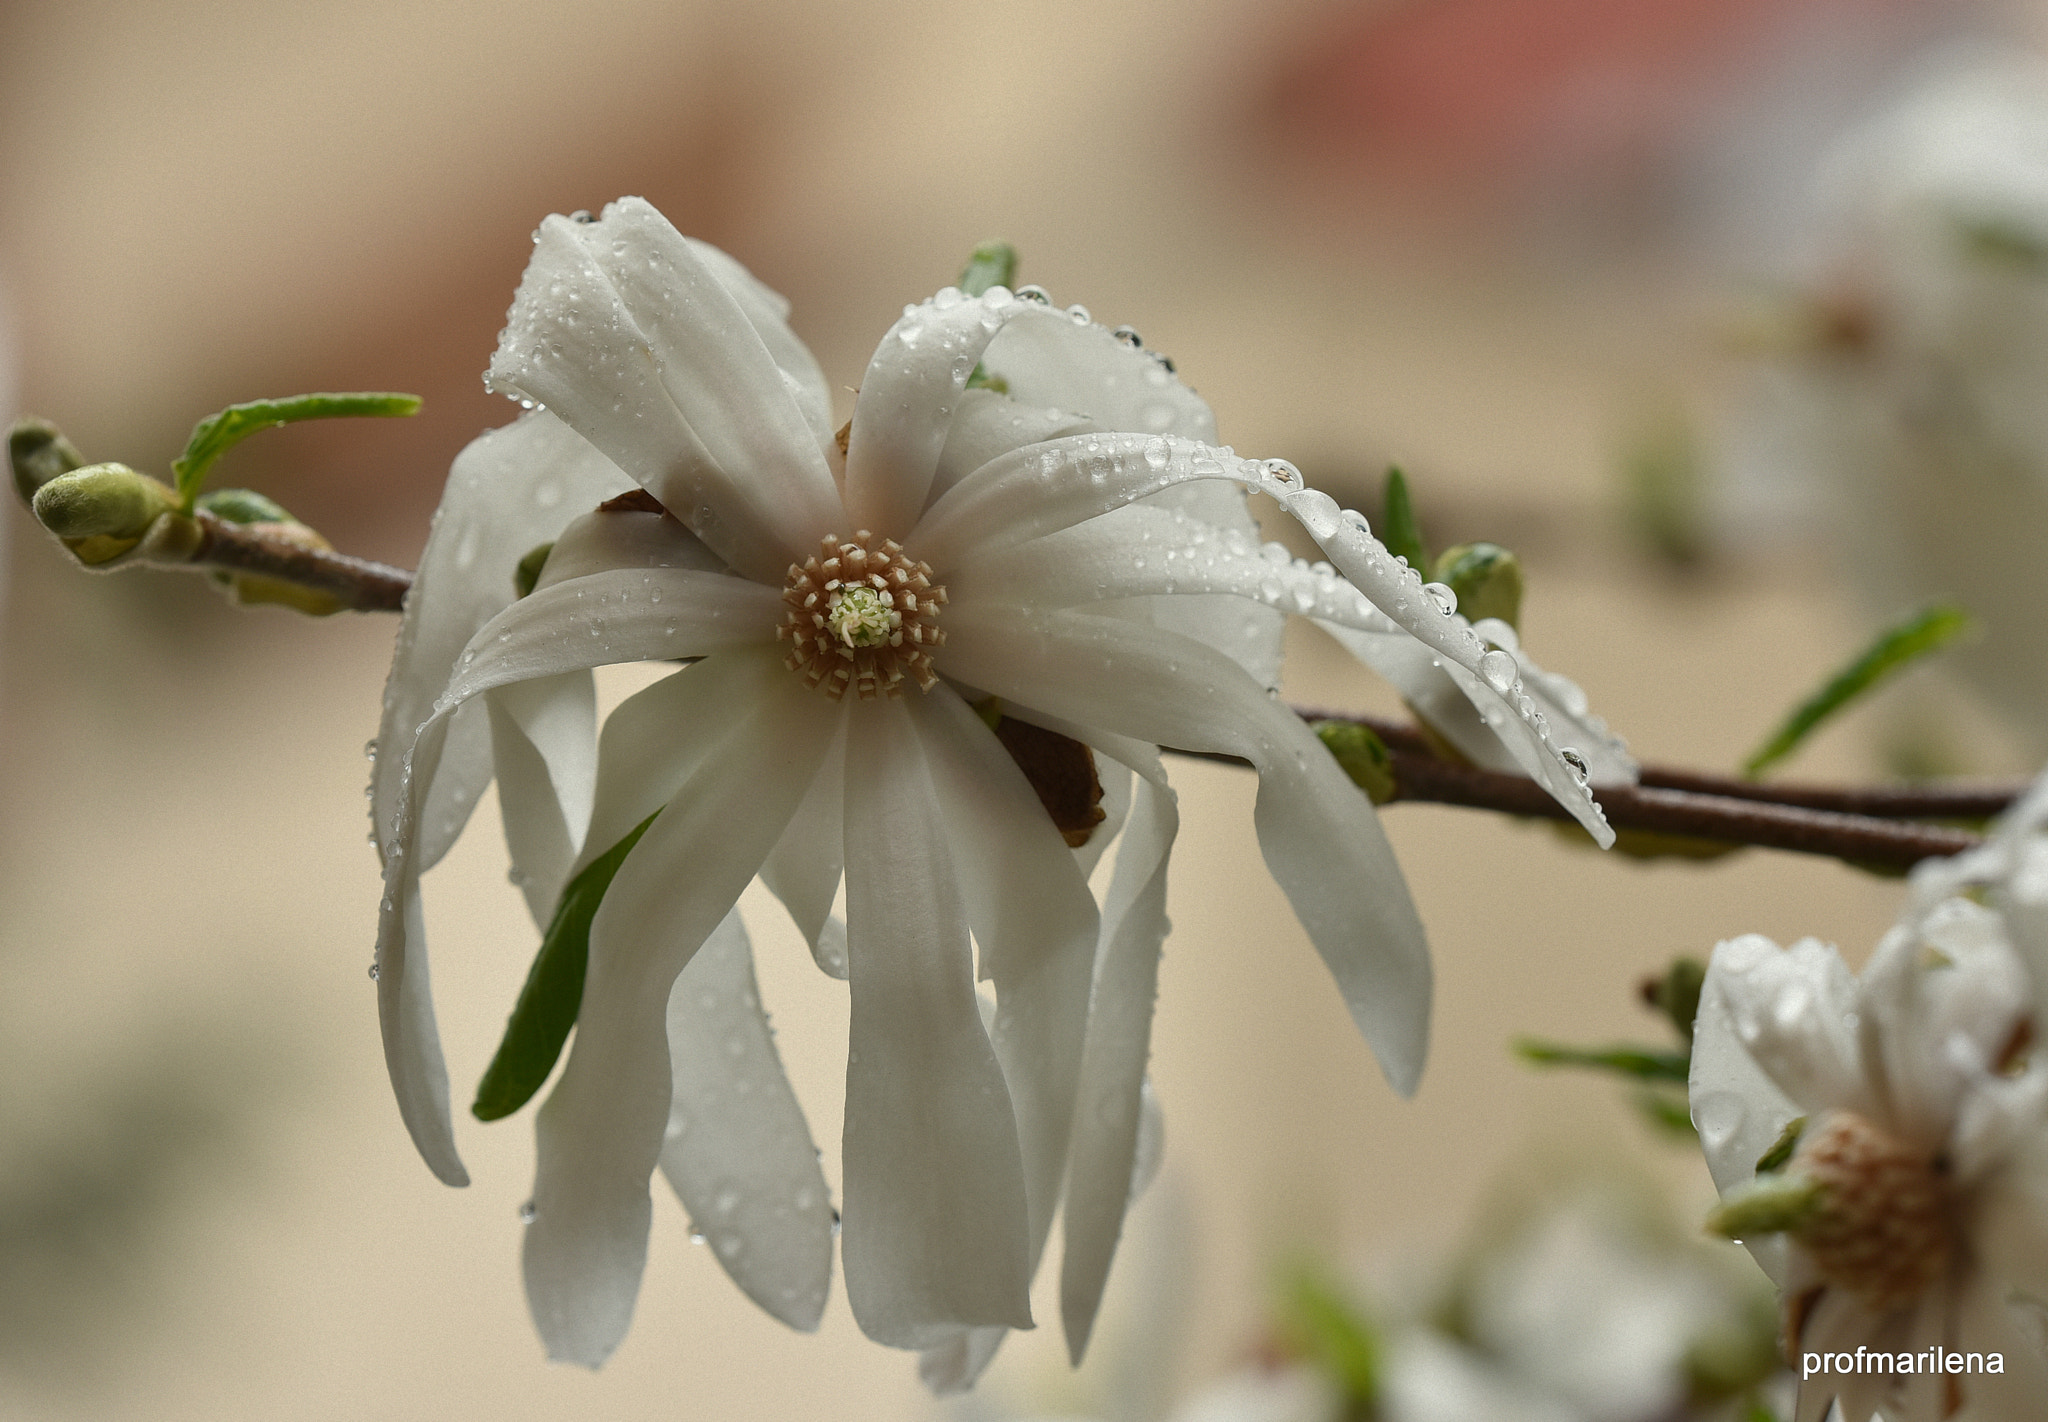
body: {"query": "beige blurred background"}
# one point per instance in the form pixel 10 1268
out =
pixel 1477 236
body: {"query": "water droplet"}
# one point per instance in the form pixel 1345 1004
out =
pixel 1078 314
pixel 527 1213
pixel 1445 598
pixel 370 749
pixel 1128 336
pixel 373 972
pixel 1577 763
pixel 1498 669
pixel 1284 473
pixel 1034 293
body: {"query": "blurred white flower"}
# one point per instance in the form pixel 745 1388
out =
pixel 1911 397
pixel 1917 1229
pixel 956 542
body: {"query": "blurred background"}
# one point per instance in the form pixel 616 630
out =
pixel 1563 260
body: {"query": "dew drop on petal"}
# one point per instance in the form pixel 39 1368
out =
pixel 527 1213
pixel 1445 598
pixel 1498 669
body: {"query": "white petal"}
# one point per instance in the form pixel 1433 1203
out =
pixel 554 631
pixel 936 1226
pixel 624 538
pixel 1047 358
pixel 737 1151
pixel 544 748
pixel 1028 905
pixel 804 867
pixel 1317 831
pixel 624 331
pixel 907 399
pixel 957 1364
pixel 987 424
pixel 1105 1151
pixel 508 491
pixel 600 1132
pixel 768 311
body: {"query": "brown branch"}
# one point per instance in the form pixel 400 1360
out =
pixel 1869 826
pixel 358 583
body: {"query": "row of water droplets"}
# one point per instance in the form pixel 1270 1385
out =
pixel 1428 611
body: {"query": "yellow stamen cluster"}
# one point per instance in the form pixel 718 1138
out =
pixel 1886 1231
pixel 860 616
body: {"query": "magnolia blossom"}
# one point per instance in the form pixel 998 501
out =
pixel 1914 408
pixel 1916 1237
pixel 1058 543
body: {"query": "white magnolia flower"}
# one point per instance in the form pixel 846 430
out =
pixel 1913 1267
pixel 1077 549
pixel 1916 412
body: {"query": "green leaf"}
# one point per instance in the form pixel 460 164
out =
pixel 217 434
pixel 1666 1113
pixel 1677 993
pixel 243 506
pixel 993 264
pixel 526 576
pixel 1324 1327
pixel 1896 647
pixel 1397 526
pixel 1642 1063
pixel 1782 1148
pixel 548 1004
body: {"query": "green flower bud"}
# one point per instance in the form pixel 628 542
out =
pixel 1362 755
pixel 526 577
pixel 244 506
pixel 102 500
pixel 1487 579
pixel 38 453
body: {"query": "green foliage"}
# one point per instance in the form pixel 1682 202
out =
pixel 553 993
pixel 1663 490
pixel 1397 526
pixel 1667 1111
pixel 1318 1323
pixel 1487 579
pixel 526 577
pixel 1362 755
pixel 244 506
pixel 1894 649
pixel 218 433
pixel 2004 242
pixel 1782 1148
pixel 992 264
pixel 1639 1063
pixel 1677 993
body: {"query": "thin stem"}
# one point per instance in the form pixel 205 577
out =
pixel 360 584
pixel 1875 826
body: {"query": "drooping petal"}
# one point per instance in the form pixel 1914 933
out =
pixel 907 398
pixel 544 750
pixel 600 1132
pixel 508 491
pixel 737 1151
pixel 937 1229
pixel 1103 1176
pixel 1046 357
pixel 987 425
pixel 624 331
pixel 1317 831
pixel 555 631
pixel 804 867
pixel 768 311
pixel 1034 920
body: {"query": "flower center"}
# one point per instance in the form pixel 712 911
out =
pixel 1886 1230
pixel 860 616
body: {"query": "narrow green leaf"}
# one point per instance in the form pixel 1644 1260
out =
pixel 1782 1148
pixel 1666 1113
pixel 1397 527
pixel 243 506
pixel 1897 647
pixel 1642 1063
pixel 218 433
pixel 993 264
pixel 1324 1327
pixel 548 1004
